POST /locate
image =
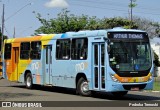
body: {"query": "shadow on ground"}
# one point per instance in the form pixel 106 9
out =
pixel 100 95
pixel 13 95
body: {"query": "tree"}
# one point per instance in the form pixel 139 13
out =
pixel 63 23
pixel 118 22
pixel 151 27
pixel 69 22
pixel 156 60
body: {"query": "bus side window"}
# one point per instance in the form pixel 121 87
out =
pixel 35 50
pixel 79 49
pixel 63 49
pixel 25 50
pixel 7 53
pixel 84 51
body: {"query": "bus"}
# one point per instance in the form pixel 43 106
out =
pixel 114 60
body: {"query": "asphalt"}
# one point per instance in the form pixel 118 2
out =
pixel 1 77
pixel 155 78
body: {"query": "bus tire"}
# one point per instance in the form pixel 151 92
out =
pixel 83 87
pixel 119 93
pixel 29 81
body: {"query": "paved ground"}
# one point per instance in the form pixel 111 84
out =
pixel 10 91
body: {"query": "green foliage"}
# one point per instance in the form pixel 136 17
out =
pixel 118 22
pixel 132 4
pixel 156 85
pixel 69 22
pixel 156 60
pixel 65 22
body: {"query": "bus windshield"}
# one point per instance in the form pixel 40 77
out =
pixel 130 53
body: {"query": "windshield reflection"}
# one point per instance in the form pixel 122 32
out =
pixel 130 56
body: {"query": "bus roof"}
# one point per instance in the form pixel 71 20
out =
pixel 83 33
pixel 120 29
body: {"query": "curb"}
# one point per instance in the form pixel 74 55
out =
pixel 153 91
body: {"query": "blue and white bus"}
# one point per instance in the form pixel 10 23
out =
pixel 115 60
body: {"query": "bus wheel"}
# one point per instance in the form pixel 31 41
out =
pixel 119 93
pixel 28 82
pixel 83 87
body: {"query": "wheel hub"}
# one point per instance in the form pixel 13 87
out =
pixel 28 81
pixel 85 87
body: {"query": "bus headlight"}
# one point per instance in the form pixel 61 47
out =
pixel 114 78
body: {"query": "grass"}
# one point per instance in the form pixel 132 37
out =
pixel 156 86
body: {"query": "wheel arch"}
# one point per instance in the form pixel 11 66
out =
pixel 25 74
pixel 79 75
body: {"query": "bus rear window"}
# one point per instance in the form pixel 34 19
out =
pixel 7 53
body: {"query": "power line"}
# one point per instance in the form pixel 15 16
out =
pixel 18 11
pixel 99 7
pixel 102 3
pixel 24 30
pixel 117 4
pixel 113 9
pixel 6 31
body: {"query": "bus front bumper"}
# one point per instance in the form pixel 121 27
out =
pixel 116 86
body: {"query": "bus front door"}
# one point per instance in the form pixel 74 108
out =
pixel 48 64
pixel 98 66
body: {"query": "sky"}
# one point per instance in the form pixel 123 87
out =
pixel 20 16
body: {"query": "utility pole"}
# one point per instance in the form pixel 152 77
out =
pixel 2 37
pixel 14 33
pixel 131 6
pixel 131 10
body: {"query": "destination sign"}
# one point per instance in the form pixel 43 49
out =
pixel 127 36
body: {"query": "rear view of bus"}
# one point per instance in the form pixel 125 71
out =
pixel 130 61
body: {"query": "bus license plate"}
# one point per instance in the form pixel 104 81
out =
pixel 134 89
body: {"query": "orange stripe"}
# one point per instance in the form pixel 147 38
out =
pixel 132 79
pixel 34 38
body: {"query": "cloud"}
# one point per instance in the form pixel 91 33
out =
pixel 57 4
